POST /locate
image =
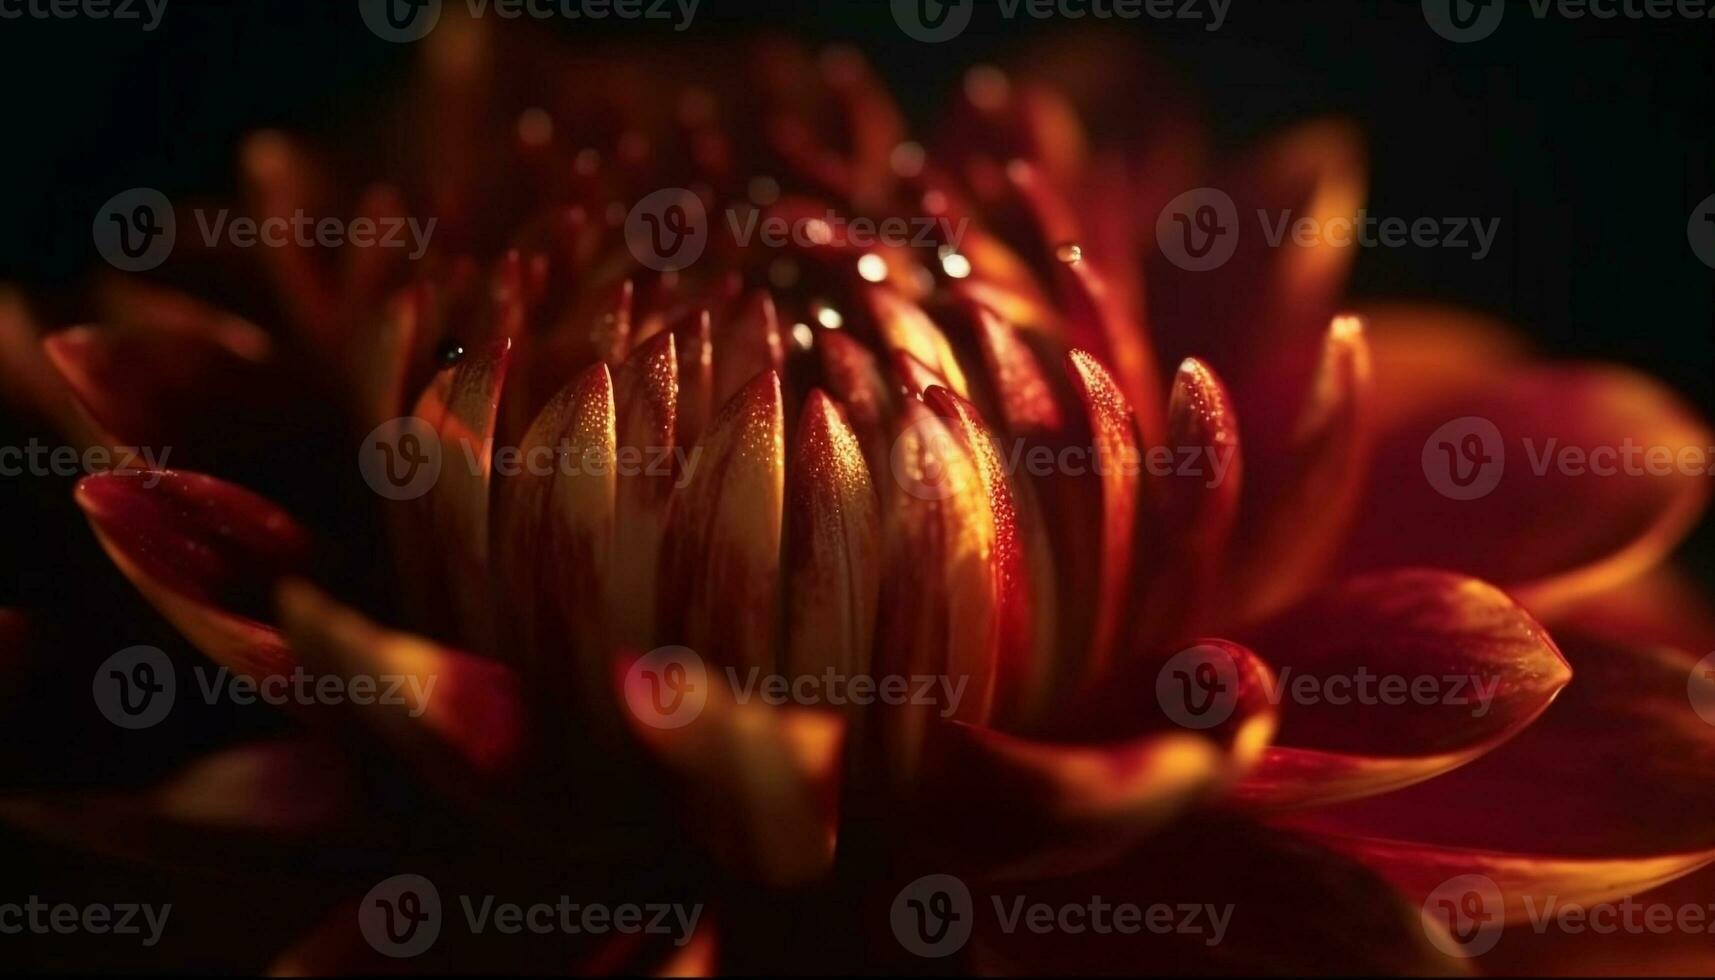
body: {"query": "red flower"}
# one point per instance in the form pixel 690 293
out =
pixel 845 490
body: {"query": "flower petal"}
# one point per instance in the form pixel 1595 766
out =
pixel 1604 796
pixel 764 782
pixel 1244 900
pixel 204 553
pixel 1119 460
pixel 1598 474
pixel 724 542
pixel 280 805
pixel 646 399
pixel 834 547
pixel 458 719
pixel 1305 504
pixel 1467 669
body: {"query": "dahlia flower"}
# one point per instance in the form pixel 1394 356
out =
pixel 841 491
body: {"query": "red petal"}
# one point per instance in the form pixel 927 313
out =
pixel 203 552
pixel 1308 500
pixel 457 718
pixel 1547 532
pixel 1469 669
pixel 1120 460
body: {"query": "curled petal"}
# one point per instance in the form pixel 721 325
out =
pixel 764 780
pixel 1554 483
pixel 1193 523
pixel 1413 673
pixel 462 404
pixel 1247 900
pixel 1119 460
pixel 1603 797
pixel 204 553
pixel 457 718
pixel 855 378
pixel 1306 510
pixel 284 805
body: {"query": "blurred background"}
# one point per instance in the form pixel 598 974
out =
pixel 1590 141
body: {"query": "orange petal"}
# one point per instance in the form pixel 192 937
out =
pixel 834 554
pixel 1580 478
pixel 904 326
pixel 763 781
pixel 457 718
pixel 855 377
pixel 1004 805
pixel 1238 900
pixel 724 552
pixel 940 601
pixel 646 397
pixel 282 805
pixel 159 388
pixel 1027 402
pixel 1193 525
pixel 1119 459
pixel 1393 678
pixel 1308 500
pixel 1258 319
pixel 747 346
pixel 1425 353
pixel 1021 659
pixel 462 403
pixel 1603 797
pixel 204 553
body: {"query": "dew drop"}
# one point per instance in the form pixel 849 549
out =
pixel 449 353
pixel 1070 253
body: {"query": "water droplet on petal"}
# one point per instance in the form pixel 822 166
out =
pixel 449 353
pixel 1070 253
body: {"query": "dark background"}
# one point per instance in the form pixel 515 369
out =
pixel 1590 140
